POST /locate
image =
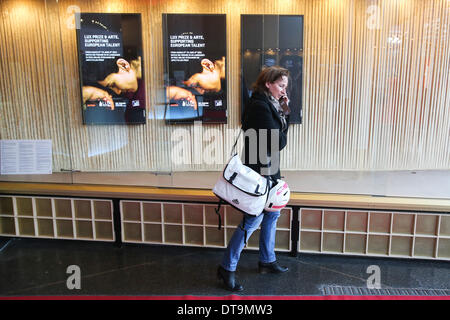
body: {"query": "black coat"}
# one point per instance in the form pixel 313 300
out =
pixel 260 153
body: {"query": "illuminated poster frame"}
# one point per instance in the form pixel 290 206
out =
pixel 268 40
pixel 111 68
pixel 195 50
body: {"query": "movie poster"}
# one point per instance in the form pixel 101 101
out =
pixel 269 40
pixel 195 68
pixel 111 68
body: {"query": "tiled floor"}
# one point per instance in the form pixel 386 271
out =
pixel 38 267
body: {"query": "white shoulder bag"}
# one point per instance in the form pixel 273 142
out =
pixel 241 187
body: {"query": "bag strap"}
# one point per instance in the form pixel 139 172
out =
pixel 233 152
pixel 218 212
pixel 245 230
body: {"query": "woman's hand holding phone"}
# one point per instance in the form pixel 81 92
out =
pixel 284 104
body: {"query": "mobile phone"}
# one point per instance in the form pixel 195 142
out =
pixel 284 105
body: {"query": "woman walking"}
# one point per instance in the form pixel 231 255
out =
pixel 266 115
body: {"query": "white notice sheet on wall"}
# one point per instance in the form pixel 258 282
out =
pixel 25 156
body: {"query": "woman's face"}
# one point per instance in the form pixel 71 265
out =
pixel 278 88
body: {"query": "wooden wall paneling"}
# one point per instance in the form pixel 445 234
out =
pixel 374 98
pixel 32 84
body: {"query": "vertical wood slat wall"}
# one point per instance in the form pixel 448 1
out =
pixel 376 83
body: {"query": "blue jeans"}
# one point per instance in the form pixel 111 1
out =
pixel 268 222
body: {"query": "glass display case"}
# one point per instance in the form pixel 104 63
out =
pixel 368 85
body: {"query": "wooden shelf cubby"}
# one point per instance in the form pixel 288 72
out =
pixel 375 233
pixel 190 224
pixel 54 217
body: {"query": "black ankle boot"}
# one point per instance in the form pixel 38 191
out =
pixel 272 267
pixel 228 279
